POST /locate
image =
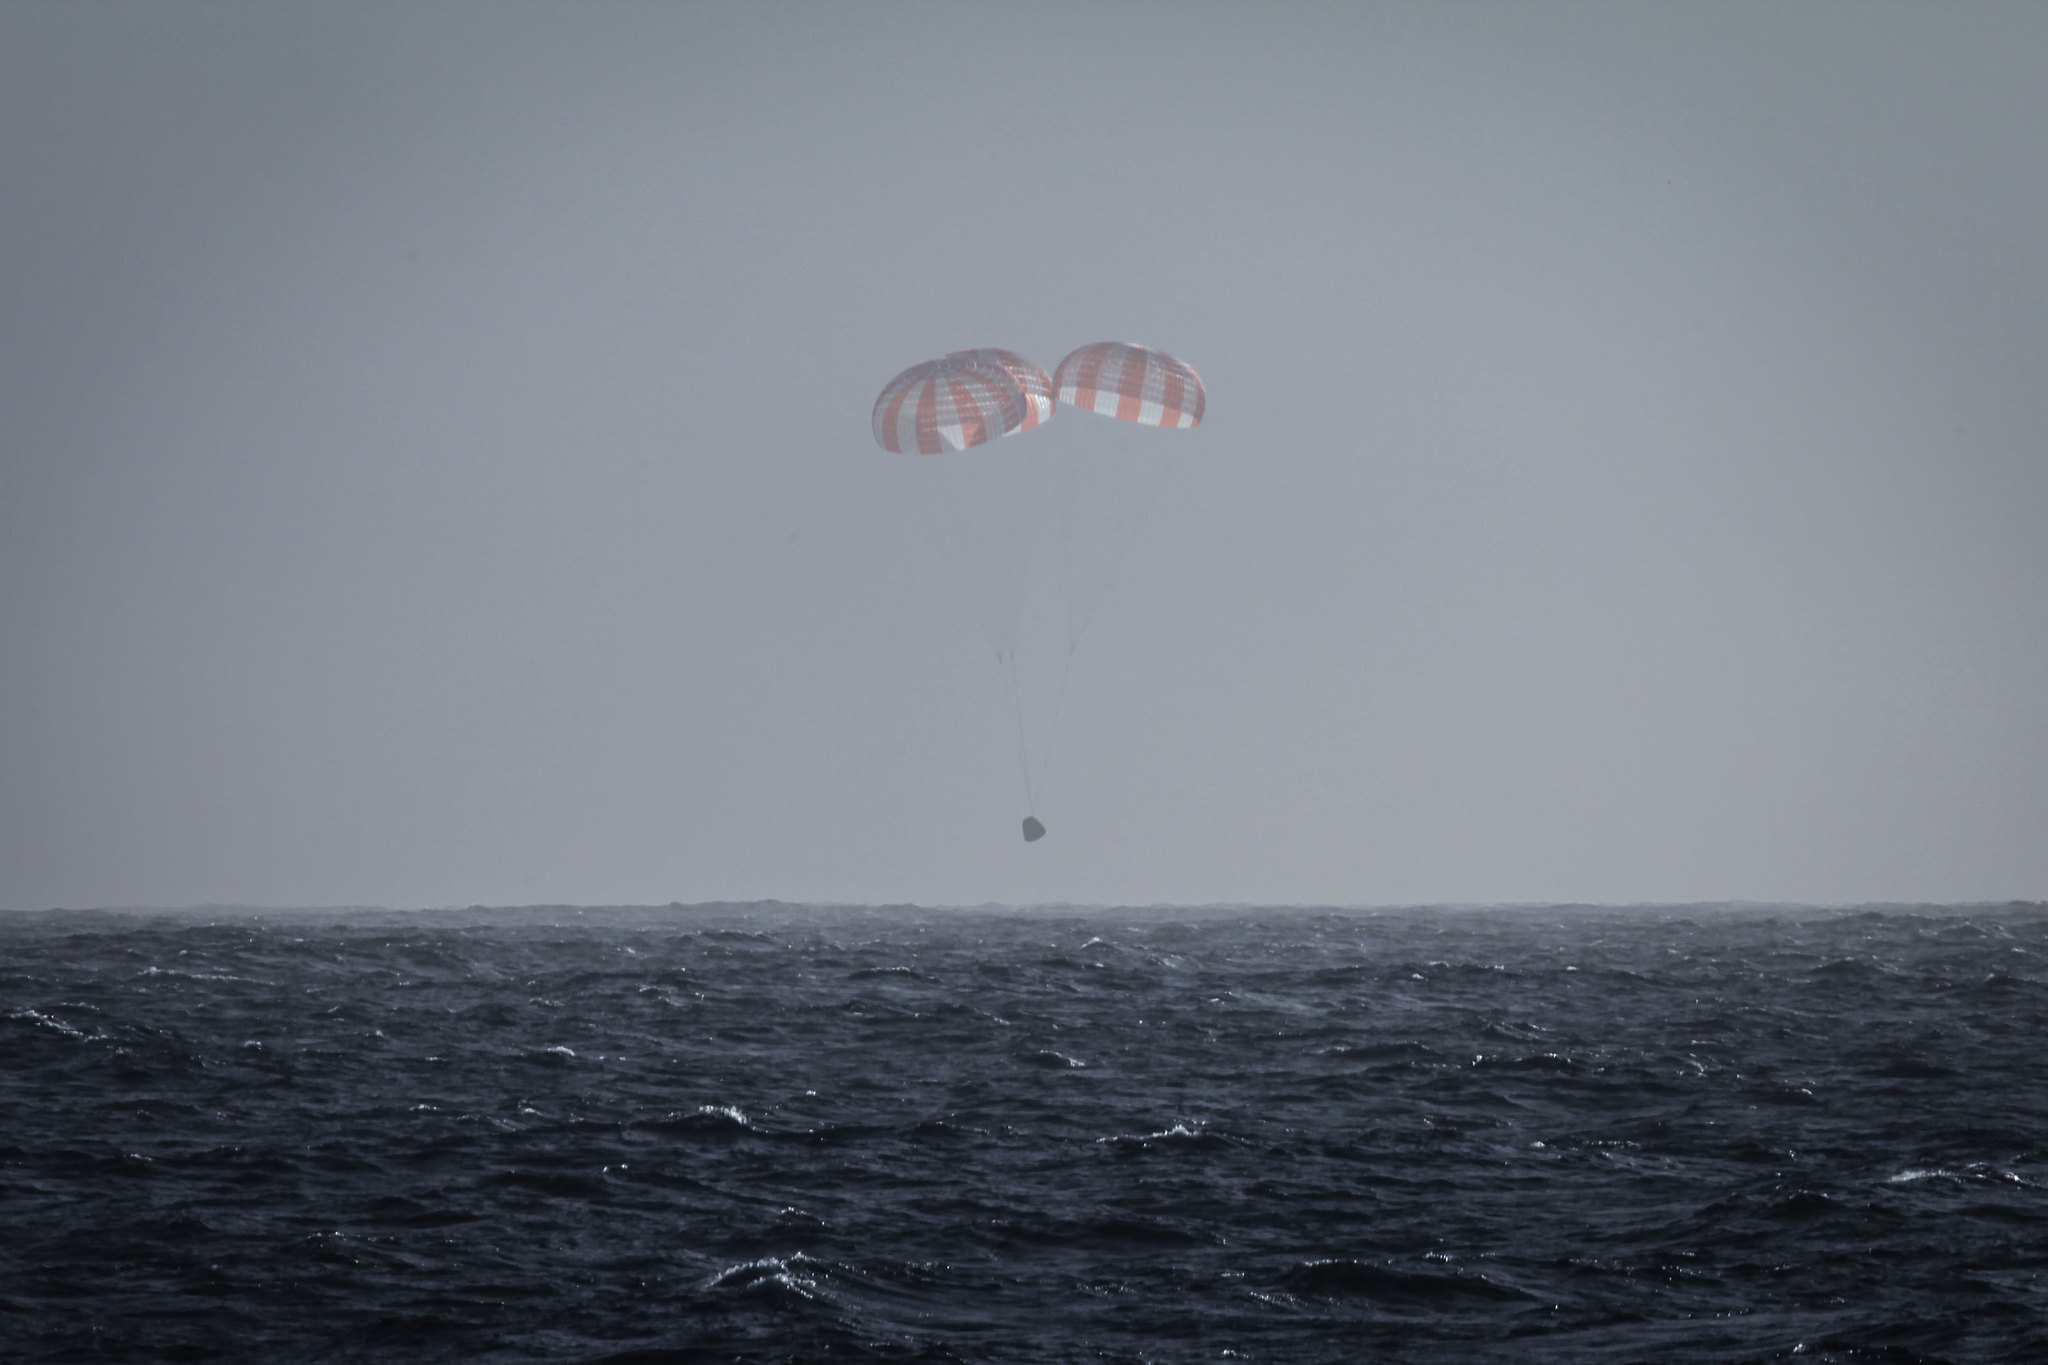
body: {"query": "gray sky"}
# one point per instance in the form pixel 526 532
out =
pixel 435 467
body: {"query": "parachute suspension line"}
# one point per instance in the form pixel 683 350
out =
pixel 1008 660
pixel 993 615
pixel 1137 495
pixel 1063 495
pixel 1052 728
pixel 1081 600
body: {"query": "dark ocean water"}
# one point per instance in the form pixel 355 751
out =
pixel 780 1134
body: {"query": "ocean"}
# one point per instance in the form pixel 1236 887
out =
pixel 782 1133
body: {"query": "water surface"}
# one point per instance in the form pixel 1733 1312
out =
pixel 779 1133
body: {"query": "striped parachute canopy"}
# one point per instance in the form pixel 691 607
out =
pixel 1131 383
pixel 950 404
pixel 1030 376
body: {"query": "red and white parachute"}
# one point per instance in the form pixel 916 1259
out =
pixel 949 404
pixel 1067 511
pixel 1131 383
pixel 971 397
pixel 1029 376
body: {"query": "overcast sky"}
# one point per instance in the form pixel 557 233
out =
pixel 435 463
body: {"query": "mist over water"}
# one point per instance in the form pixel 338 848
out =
pixel 773 1133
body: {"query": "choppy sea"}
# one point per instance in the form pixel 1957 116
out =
pixel 780 1133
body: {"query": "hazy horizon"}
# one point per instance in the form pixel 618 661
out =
pixel 435 465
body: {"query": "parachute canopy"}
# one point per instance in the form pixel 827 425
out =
pixel 1029 376
pixel 965 399
pixel 1131 383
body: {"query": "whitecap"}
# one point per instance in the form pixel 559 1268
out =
pixel 749 1276
pixel 1179 1132
pixel 49 1021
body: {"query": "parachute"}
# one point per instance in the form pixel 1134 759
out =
pixel 949 404
pixel 1131 383
pixel 1008 514
pixel 1035 382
